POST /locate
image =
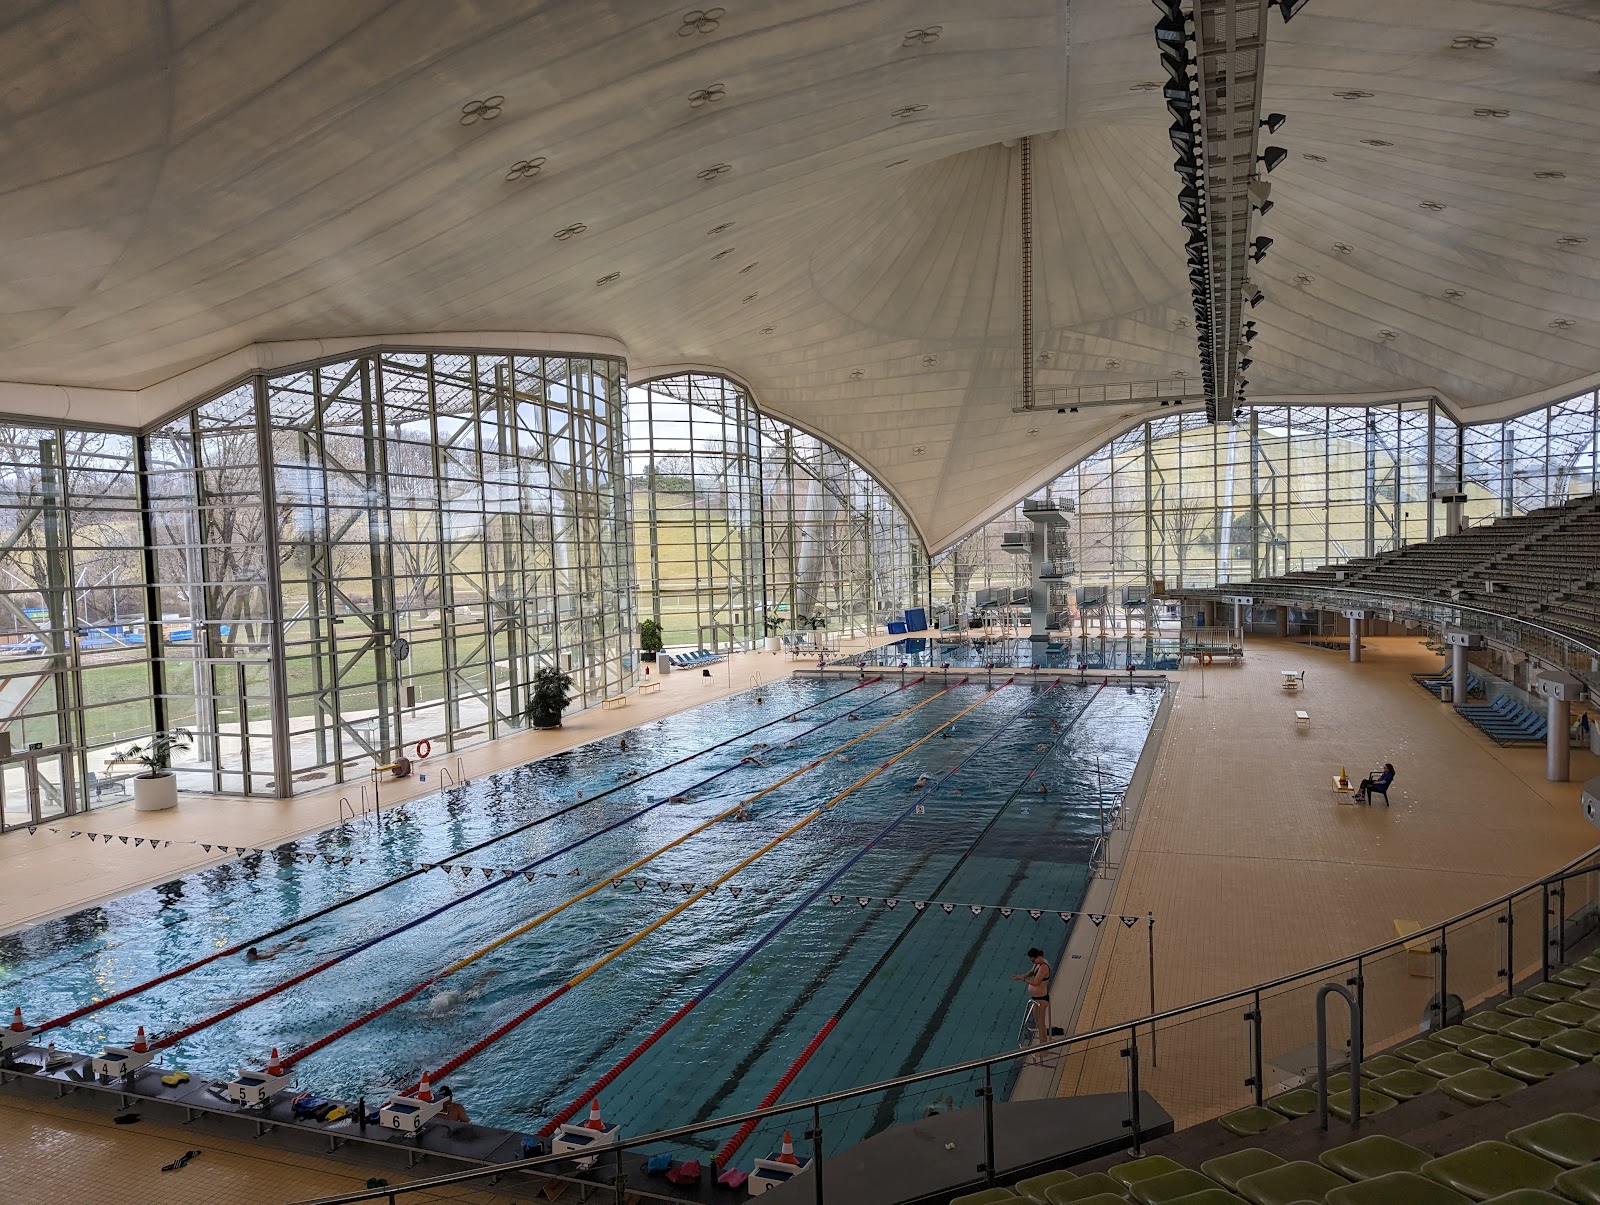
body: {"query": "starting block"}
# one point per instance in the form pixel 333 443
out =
pixel 777 1168
pixel 12 1038
pixel 583 1140
pixel 408 1114
pixel 117 1062
pixel 256 1087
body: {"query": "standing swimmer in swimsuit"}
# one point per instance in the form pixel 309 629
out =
pixel 1038 981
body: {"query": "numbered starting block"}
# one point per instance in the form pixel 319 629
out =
pixel 117 1062
pixel 777 1168
pixel 256 1088
pixel 408 1114
pixel 585 1139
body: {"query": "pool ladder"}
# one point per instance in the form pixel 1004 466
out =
pixel 449 780
pixel 348 810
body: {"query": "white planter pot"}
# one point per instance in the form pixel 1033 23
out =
pixel 155 794
pixel 772 644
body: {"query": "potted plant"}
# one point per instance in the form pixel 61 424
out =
pixel 774 628
pixel 548 698
pixel 649 639
pixel 157 788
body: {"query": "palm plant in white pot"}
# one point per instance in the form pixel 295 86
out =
pixel 157 787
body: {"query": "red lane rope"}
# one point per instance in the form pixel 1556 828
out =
pixel 606 1080
pixel 731 1147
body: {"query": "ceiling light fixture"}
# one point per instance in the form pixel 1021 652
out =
pixel 908 110
pixel 767 330
pixel 709 95
pixel 1287 7
pixel 1431 206
pixel 1253 294
pixel 523 169
pixel 1273 122
pixel 701 20
pixel 723 254
pixel 922 37
pixel 1343 248
pixel 1549 175
pixel 1260 253
pixel 712 172
pixel 1272 156
pixel 571 231
pixel 1455 294
pixel 748 299
pixel 1388 336
pixel 1571 240
pixel 1491 112
pixel 929 361
pixel 1469 41
pixel 749 268
pixel 719 229
pixel 608 278
pixel 1561 324
pixel 1353 94
pixel 1376 142
pixel 1310 158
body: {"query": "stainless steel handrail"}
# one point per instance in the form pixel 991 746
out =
pixel 1130 1028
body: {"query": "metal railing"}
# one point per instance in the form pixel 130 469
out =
pixel 1423 979
pixel 1560 649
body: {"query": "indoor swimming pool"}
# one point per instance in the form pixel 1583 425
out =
pixel 780 921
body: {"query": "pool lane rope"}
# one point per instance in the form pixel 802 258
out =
pixel 478 1047
pixel 279 931
pixel 730 1148
pixel 462 963
pixel 732 968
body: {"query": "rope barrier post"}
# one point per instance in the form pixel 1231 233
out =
pixel 1131 1053
pixel 815 1135
pixel 1509 974
pixel 1150 941
pixel 1257 1072
pixel 1544 954
pixel 987 1092
pixel 618 1180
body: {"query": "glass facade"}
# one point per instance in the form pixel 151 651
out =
pixel 745 525
pixel 1186 502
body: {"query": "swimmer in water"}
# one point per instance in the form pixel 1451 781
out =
pixel 254 954
pixel 450 999
pixel 844 757
pixel 1055 725
pixel 740 813
pixel 1042 789
pixel 752 761
pixel 852 716
pixel 1042 747
pixel 922 781
pixel 677 799
pixel 791 744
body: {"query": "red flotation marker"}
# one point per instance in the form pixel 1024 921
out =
pixel 594 1122
pixel 787 1155
pixel 16 1021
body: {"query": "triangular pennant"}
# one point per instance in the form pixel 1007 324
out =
pixel 107 837
pixel 574 871
pixel 138 841
pixel 711 889
pixel 54 830
pixel 165 844
pixel 1035 913
pixel 204 846
pixel 32 828
pixel 687 887
pixel 506 874
pixel 863 900
pixel 834 899
pixel 1006 912
pixel 1129 921
pixel 75 834
pixel 550 874
pixel 977 909
pixel 362 861
pixel 488 872
pixel 734 891
pixel 664 885
pixel 345 861
pixel 122 838
pixel 948 908
pixel 1096 919
pixel 1067 916
pixel 531 875
pixel 919 905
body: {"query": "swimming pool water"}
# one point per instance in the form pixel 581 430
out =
pixel 1103 653
pixel 944 995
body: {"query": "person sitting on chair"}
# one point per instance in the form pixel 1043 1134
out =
pixel 1377 780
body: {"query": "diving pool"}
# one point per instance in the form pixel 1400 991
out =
pixel 980 835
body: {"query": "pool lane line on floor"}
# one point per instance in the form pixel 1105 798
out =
pixel 169 1039
pixel 499 1032
pixel 241 946
pixel 740 1136
pixel 773 931
pixel 598 885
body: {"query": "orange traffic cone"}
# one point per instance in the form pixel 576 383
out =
pixel 425 1091
pixel 140 1042
pixel 274 1066
pixel 787 1155
pixel 594 1122
pixel 16 1021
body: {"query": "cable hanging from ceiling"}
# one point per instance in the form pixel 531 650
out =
pixel 1025 161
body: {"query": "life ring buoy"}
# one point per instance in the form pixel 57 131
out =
pixel 423 749
pixel 1205 658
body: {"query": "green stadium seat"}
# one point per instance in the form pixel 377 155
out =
pixel 1372 1102
pixel 1570 1139
pixel 1579 1044
pixel 1289 1184
pixel 1576 977
pixel 1210 1196
pixel 1527 1196
pixel 1489 1022
pixel 1373 1156
pixel 1589 997
pixel 1589 963
pixel 1338 1081
pixel 989 1196
pixel 1420 1049
pixel 1397 1188
pixel 1491 1046
pixel 1251 1120
pixel 1295 1103
pixel 1227 1170
pixel 1534 1065
pixel 1385 1064
pixel 1101 1198
pixel 1480 1087
pixel 1095 1184
pixel 1519 1006
pixel 1450 1064
pixel 1034 1187
pixel 1486 1169
pixel 1581 1184
pixel 1531 1030
pixel 1162 1190
pixel 1451 1036
pixel 1405 1085
pixel 1568 1015
pixel 1551 993
pixel 1130 1173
